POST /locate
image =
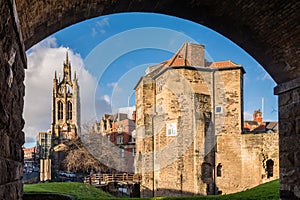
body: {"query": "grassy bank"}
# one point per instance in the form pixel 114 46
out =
pixel 86 192
pixel 79 190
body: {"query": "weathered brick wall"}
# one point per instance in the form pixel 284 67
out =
pixel 186 164
pixel 184 98
pixel 228 95
pixel 12 62
pixel 289 137
pixel 144 139
pixel 174 159
pixel 228 126
pixel 257 149
pixel 249 153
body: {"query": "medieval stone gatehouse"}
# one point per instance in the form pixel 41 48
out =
pixel 189 124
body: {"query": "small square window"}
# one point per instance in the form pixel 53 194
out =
pixel 171 129
pixel 218 109
pixel 120 140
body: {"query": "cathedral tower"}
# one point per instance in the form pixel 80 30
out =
pixel 65 106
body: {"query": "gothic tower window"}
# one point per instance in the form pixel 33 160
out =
pixel 60 110
pixel 219 170
pixel 270 166
pixel 69 112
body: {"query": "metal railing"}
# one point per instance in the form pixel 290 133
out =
pixel 104 179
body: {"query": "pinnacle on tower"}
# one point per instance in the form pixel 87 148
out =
pixel 55 75
pixel 67 56
pixel 75 77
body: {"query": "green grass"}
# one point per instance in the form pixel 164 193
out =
pixel 79 190
pixel 265 191
pixel 86 192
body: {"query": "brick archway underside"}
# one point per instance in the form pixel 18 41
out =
pixel 269 32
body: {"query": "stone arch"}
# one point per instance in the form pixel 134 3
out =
pixel 262 29
pixel 269 32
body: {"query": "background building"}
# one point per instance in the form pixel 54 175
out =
pixel 120 131
pixel 44 144
pixel 65 122
pixel 30 159
pixel 189 125
pixel 257 125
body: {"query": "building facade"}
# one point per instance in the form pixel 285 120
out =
pixel 30 159
pixel 257 125
pixel 44 145
pixel 119 130
pixel 189 124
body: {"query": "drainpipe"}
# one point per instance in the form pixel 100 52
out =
pixel 153 137
pixel 153 148
pixel 214 130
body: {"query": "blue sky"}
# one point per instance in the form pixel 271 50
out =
pixel 116 49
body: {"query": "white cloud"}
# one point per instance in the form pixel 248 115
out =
pixel 94 32
pixel 102 31
pixel 126 110
pixel 104 22
pixel 43 59
pixel 100 26
pixel 266 76
pixel 113 84
pixel 106 98
pixel 247 116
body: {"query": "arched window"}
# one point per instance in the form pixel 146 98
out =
pixel 270 166
pixel 60 110
pixel 219 170
pixel 69 112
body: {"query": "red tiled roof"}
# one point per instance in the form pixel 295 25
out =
pixel 177 61
pixel 222 64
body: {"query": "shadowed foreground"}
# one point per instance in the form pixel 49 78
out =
pixel 86 192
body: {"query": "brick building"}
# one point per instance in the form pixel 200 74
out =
pixel 44 144
pixel 30 159
pixel 257 125
pixel 120 131
pixel 189 125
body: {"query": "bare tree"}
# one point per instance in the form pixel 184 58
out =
pixel 93 151
pixel 79 159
